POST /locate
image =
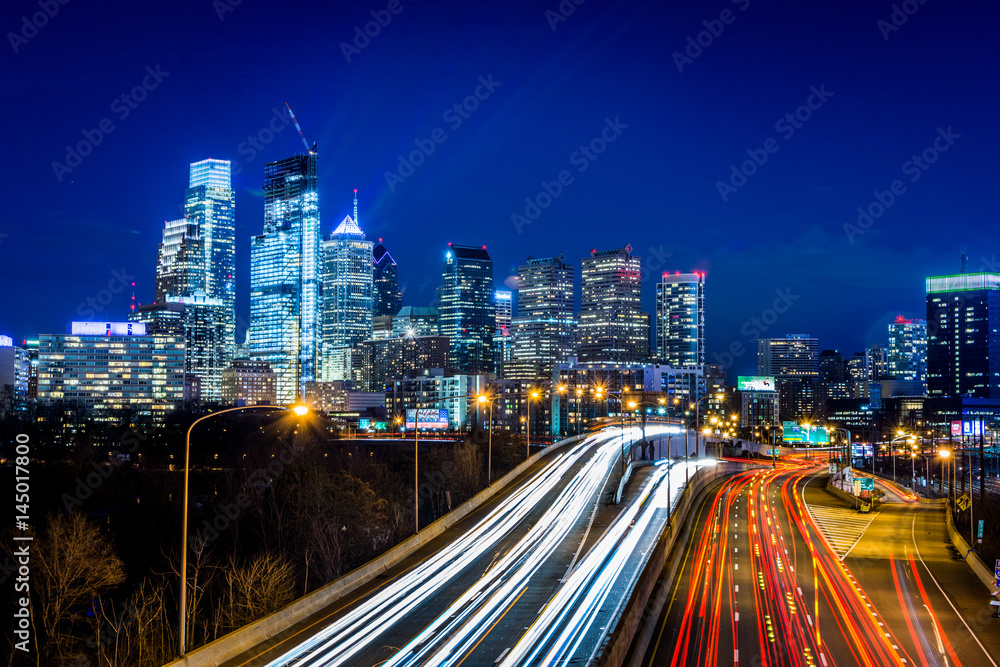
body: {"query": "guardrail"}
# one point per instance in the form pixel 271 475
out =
pixel 231 645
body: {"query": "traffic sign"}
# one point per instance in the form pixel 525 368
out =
pixel 963 502
pixel 833 468
pixel 868 484
pixel 980 536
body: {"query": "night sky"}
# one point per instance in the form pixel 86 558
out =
pixel 679 116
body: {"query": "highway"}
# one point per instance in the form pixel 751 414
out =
pixel 761 586
pixel 532 577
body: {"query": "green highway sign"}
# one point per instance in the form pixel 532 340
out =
pixel 866 483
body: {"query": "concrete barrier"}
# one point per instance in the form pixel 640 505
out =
pixel 623 482
pixel 231 645
pixel 972 559
pixel 633 618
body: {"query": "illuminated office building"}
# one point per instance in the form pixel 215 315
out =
pixel 612 326
pixel 466 314
pixel 198 251
pixel 108 367
pixel 247 382
pixel 793 361
pixel 680 320
pixel 907 354
pixel 963 342
pixel 286 276
pixel 347 295
pixel 201 322
pixel 388 299
pixel 544 331
pixel 415 321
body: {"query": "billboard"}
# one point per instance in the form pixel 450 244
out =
pixel 814 435
pixel 755 383
pixel 966 427
pixel 429 418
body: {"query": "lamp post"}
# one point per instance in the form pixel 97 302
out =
pixel 527 441
pixel 483 398
pixel 299 410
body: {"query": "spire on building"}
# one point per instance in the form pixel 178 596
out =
pixel 355 206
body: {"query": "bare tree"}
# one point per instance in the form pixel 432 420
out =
pixel 468 469
pixel 75 563
pixel 258 587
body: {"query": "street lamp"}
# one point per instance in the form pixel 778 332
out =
pixel 299 410
pixel 483 398
pixel 527 441
pixel 945 455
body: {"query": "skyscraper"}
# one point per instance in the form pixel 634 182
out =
pixel 347 295
pixel 388 299
pixel 180 267
pixel 680 320
pixel 544 331
pixel 466 312
pixel 196 273
pixel 286 276
pixel 907 356
pixel 793 361
pixel 963 342
pixel 612 326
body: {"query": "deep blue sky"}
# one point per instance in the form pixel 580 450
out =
pixel 654 186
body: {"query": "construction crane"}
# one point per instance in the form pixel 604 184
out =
pixel 304 142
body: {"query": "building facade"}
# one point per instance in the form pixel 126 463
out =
pixel 112 366
pixel 544 332
pixel 680 320
pixel 466 312
pixel 963 342
pixel 907 351
pixel 286 276
pixel 347 295
pixel 793 361
pixel 392 358
pixel 612 326
pixel 202 323
pixel 15 370
pixel 437 389
pixel 248 382
pixel 387 297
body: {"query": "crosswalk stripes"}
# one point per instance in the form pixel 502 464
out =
pixel 842 527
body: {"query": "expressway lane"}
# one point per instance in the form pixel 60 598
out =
pixel 760 586
pixel 470 598
pixel 934 603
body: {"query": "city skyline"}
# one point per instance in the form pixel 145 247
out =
pixel 911 90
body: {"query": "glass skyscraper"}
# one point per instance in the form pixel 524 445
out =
pixel 680 320
pixel 545 327
pixel 466 313
pixel 388 299
pixel 347 297
pixel 196 268
pixel 963 341
pixel 211 203
pixel 286 276
pixel 612 326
